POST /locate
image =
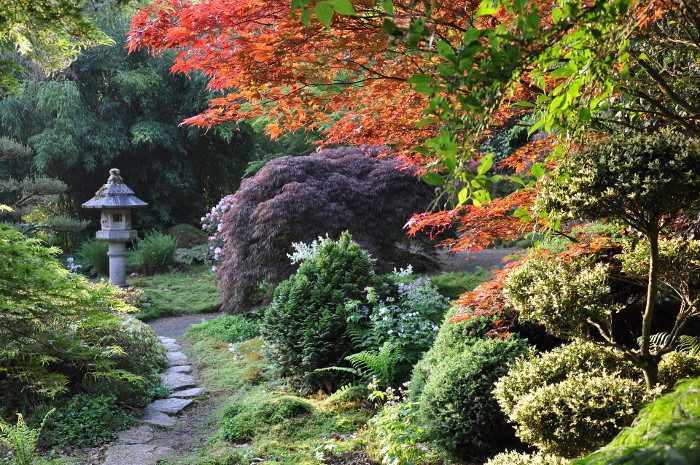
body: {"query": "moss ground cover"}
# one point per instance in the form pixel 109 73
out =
pixel 185 292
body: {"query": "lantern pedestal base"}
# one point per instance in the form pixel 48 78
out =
pixel 117 263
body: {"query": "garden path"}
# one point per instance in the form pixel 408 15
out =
pixel 162 436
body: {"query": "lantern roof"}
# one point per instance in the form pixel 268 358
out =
pixel 115 194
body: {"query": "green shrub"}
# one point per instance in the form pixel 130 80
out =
pixel 155 251
pixel 457 401
pixel 305 326
pixel 94 253
pixel 576 359
pixel 675 366
pixel 140 352
pixel 519 458
pixel 240 423
pixel 404 326
pixel 57 330
pixel 90 421
pixel 452 338
pixel 228 328
pixel 399 437
pixel 186 235
pixel 579 414
pixel 665 432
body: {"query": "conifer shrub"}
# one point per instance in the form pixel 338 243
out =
pixel 451 339
pixel 297 199
pixel 457 401
pixel 305 326
pixel 573 399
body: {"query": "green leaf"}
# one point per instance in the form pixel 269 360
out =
pixel 324 13
pixel 390 27
pixel 481 196
pixel 462 196
pixel 521 212
pixel 485 164
pixel 517 180
pixel 305 17
pixel 343 7
pixel 433 179
pixel 420 79
pixel 388 6
pixel 537 170
pixel 299 5
pixel 425 122
pixel 488 7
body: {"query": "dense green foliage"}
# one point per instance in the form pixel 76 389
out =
pixel 93 253
pixel 518 458
pixel 452 338
pixel 114 109
pixel 404 326
pixel 228 328
pixel 155 251
pixel 455 283
pixel 667 431
pixel 399 436
pixel 305 326
pixel 59 332
pixel 90 421
pixel 457 401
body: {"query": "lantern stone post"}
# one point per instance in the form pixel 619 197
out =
pixel 115 200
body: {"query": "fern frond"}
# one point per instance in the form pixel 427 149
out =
pixel 656 341
pixel 689 345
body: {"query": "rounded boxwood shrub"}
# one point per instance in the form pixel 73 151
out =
pixel 457 401
pixel 579 414
pixel 305 326
pixel 519 458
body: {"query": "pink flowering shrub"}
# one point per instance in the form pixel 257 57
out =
pixel 213 224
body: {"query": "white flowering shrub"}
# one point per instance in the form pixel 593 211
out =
pixel 304 251
pixel 213 224
pixel 408 322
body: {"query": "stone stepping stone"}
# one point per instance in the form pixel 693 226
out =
pixel 154 417
pixel 178 381
pixel 137 435
pixel 184 369
pixel 194 392
pixel 135 454
pixel 167 340
pixel 171 346
pixel 176 358
pixel 169 406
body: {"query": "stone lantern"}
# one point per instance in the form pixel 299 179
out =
pixel 116 200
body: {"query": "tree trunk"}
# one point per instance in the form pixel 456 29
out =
pixel 650 363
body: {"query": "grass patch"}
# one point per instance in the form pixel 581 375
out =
pixel 261 419
pixel 454 284
pixel 193 290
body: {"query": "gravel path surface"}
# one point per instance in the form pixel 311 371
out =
pixel 470 261
pixel 175 326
